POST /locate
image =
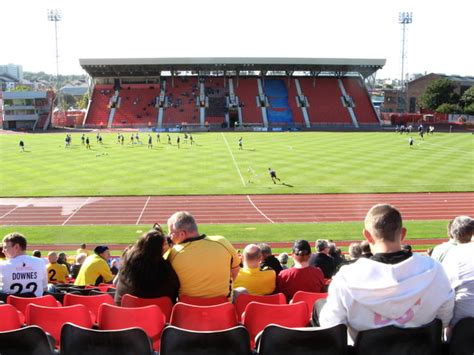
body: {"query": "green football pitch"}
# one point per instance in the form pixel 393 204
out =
pixel 312 162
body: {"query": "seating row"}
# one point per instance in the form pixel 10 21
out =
pixel 274 340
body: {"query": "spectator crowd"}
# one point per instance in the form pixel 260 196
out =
pixel 382 283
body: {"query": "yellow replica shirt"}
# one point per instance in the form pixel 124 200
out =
pixel 85 251
pixel 256 281
pixel 56 273
pixel 94 271
pixel 204 266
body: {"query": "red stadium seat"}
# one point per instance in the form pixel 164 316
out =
pixel 150 318
pixel 51 319
pixel 91 302
pixel 164 303
pixel 204 318
pixel 20 303
pixel 10 318
pixel 244 299
pixel 258 315
pixel 201 301
pixel 309 298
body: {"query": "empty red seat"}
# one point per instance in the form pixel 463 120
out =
pixel 92 302
pixel 164 303
pixel 244 299
pixel 258 315
pixel 51 319
pixel 309 298
pixel 150 318
pixel 10 318
pixel 202 301
pixel 20 303
pixel 193 317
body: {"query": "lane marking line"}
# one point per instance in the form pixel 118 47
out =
pixel 258 210
pixel 72 214
pixel 143 210
pixel 18 206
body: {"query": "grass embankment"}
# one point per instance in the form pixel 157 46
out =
pixel 243 233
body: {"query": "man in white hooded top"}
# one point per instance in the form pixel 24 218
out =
pixel 393 287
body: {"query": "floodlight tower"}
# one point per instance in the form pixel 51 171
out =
pixel 54 15
pixel 404 18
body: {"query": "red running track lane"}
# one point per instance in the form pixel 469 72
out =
pixel 228 208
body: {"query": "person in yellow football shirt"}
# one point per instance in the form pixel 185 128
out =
pixel 205 265
pixel 56 272
pixel 83 249
pixel 251 277
pixel 95 269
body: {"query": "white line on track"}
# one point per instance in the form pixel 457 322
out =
pixel 233 159
pixel 13 209
pixel 143 210
pixel 72 214
pixel 263 214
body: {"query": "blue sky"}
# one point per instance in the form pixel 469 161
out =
pixel 437 40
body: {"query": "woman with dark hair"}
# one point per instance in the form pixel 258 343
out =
pixel 144 273
pixel 62 259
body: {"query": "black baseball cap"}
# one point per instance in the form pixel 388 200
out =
pixel 100 249
pixel 301 247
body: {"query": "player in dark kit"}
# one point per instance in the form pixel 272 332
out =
pixel 22 146
pixel 273 175
pixel 150 142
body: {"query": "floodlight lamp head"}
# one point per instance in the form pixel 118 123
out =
pixel 405 17
pixel 54 15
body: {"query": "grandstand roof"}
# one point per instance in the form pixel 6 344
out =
pixel 123 67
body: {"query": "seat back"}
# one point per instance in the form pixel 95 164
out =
pixel 309 298
pixel 4 296
pixel 150 318
pixel 95 292
pixel 392 340
pixel 78 341
pixel 92 302
pixel 204 318
pixel 232 341
pixel 258 315
pixel 201 301
pixel 10 319
pixel 25 341
pixel 85 291
pixel 279 340
pixel 164 303
pixel 462 339
pixel 20 303
pixel 59 296
pixel 244 299
pixel 51 319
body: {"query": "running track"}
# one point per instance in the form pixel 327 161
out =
pixel 228 208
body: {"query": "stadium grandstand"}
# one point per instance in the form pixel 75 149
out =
pixel 200 93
